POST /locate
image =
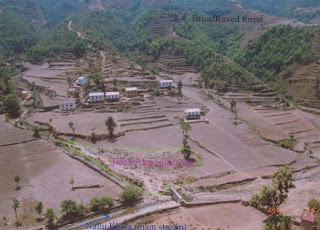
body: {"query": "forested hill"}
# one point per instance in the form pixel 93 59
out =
pixel 303 10
pixel 276 49
pixel 45 14
pixel 17 34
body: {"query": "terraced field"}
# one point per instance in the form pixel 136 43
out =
pixel 302 86
pixel 280 124
pixel 38 163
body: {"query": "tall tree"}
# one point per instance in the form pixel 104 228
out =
pixel 39 208
pixel 271 197
pixel 11 105
pixel 71 125
pixel 180 88
pixel 15 206
pixel 49 216
pixel 111 124
pixel 186 127
pixel 233 105
pixel 17 179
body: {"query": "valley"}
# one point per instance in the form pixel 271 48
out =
pixel 137 81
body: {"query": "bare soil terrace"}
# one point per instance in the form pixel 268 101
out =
pixel 45 172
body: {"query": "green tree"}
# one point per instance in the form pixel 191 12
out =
pixel 49 216
pixel 79 48
pixel 80 209
pixel 233 105
pixel 111 124
pixel 97 204
pixel 314 205
pixel 39 208
pixel 71 125
pixel 316 223
pixel 128 196
pixel 114 82
pixel 15 206
pixel 69 80
pixel 68 207
pixel 180 88
pixel 17 179
pixel 271 197
pixel 35 131
pixel 186 127
pixel 11 105
pixel 286 223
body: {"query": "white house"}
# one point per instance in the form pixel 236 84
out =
pixel 192 113
pixel 166 83
pixel 68 105
pixel 96 97
pixel 113 96
pixel 81 80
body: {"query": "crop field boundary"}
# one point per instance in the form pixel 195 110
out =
pixel 69 144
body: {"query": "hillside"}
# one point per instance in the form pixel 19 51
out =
pixel 304 10
pixel 17 35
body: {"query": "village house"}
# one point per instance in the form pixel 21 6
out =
pixel 81 80
pixel 68 105
pixel 24 94
pixel 96 97
pixel 192 113
pixel 166 83
pixel 113 96
pixel 131 92
pixel 307 219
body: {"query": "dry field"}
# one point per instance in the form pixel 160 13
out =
pixel 45 172
pixel 224 216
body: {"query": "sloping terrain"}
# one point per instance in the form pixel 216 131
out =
pixel 45 172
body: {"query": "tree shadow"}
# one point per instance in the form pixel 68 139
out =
pixel 39 220
pixel 18 188
pixel 112 140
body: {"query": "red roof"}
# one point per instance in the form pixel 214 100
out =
pixel 307 216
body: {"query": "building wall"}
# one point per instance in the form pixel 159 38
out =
pixel 165 84
pixel 131 93
pixel 113 97
pixel 67 106
pixel 96 98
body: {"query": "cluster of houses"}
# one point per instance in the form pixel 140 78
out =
pixel 70 104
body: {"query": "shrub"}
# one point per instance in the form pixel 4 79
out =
pixel 58 142
pixel 128 196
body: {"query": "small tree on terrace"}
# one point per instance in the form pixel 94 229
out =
pixel 233 105
pixel 15 206
pixel 69 80
pixel 114 82
pixel 111 124
pixel 49 216
pixel 186 127
pixel 271 197
pixel 68 207
pixel 180 88
pixel 17 179
pixel 39 208
pixel 71 125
